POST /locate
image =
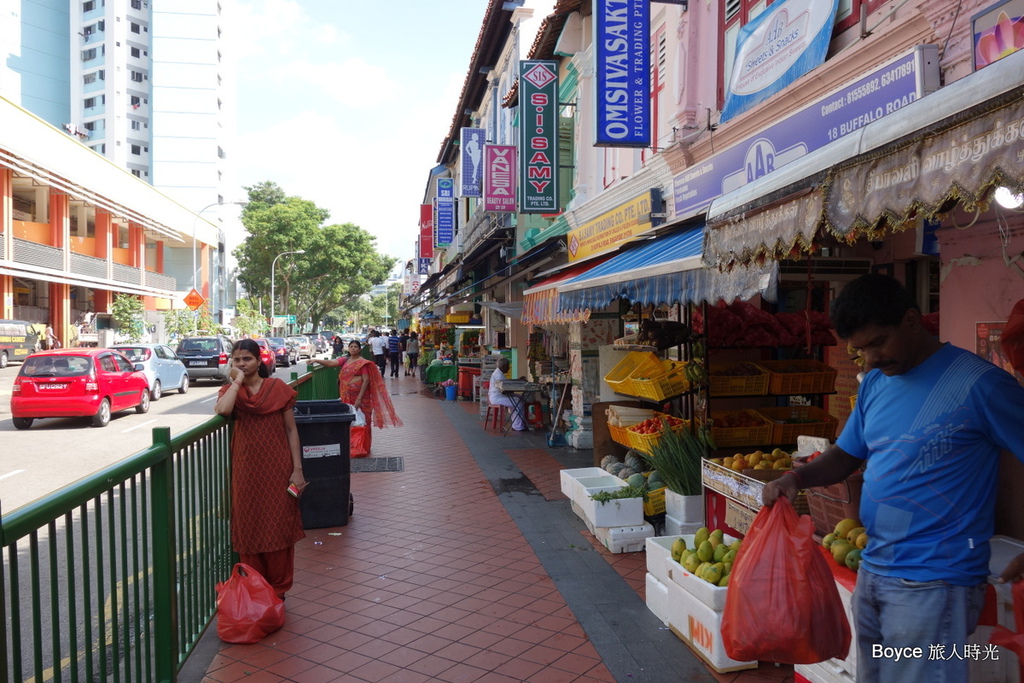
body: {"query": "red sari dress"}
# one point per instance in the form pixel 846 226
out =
pixel 264 517
pixel 376 404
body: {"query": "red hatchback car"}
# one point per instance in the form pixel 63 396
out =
pixel 78 382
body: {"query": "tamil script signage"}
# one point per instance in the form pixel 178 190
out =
pixel 499 178
pixel 622 44
pixel 885 90
pixel 445 212
pixel 775 48
pixel 538 127
pixel 471 150
pixel 611 229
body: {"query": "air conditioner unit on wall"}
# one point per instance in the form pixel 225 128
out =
pixel 823 267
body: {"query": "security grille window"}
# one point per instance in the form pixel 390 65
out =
pixel 135 52
pixel 136 149
pixel 135 28
pixel 89 6
pixel 93 77
pixel 89 54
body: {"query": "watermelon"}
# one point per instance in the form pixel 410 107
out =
pixel 638 480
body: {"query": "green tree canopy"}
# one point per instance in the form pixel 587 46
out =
pixel 339 264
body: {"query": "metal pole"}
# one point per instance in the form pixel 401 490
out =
pixel 272 266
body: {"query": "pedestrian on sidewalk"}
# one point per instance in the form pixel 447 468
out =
pixel 395 352
pixel 360 385
pixel 379 348
pixel 929 425
pixel 412 353
pixel 265 460
pixel 495 397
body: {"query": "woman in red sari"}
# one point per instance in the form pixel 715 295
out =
pixel 265 459
pixel 361 385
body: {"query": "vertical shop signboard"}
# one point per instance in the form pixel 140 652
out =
pixel 622 42
pixel 426 231
pixel 423 266
pixel 445 221
pixel 499 178
pixel 471 149
pixel 538 127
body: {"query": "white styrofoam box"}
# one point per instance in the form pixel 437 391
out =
pixel 700 627
pixel 657 597
pixel 659 551
pixel 688 509
pixel 624 539
pixel 823 672
pixel 712 596
pixel 569 477
pixel 617 512
pixel 676 527
pixel 588 486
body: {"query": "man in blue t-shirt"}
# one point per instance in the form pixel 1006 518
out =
pixel 395 352
pixel 928 427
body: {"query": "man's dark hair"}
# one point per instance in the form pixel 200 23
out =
pixel 872 299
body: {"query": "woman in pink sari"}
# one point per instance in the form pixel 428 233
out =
pixel 361 385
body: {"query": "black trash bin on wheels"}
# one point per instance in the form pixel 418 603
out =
pixel 324 439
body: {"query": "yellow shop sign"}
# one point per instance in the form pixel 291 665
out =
pixel 611 229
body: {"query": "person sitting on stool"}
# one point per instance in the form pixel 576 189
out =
pixel 497 398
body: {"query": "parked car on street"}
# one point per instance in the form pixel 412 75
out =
pixel 163 369
pixel 206 357
pixel 319 341
pixel 267 356
pixel 79 382
pixel 303 346
pixel 18 339
pixel 284 353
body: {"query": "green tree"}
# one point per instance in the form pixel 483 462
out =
pixel 179 322
pixel 129 317
pixel 248 320
pixel 340 262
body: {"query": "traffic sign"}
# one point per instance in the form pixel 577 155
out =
pixel 194 300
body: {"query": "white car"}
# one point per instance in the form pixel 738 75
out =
pixel 304 347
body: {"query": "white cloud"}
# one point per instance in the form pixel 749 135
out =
pixel 354 82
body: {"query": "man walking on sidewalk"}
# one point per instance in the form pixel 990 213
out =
pixel 395 352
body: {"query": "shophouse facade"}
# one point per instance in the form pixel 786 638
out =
pixel 744 152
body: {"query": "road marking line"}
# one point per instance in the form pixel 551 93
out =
pixel 11 474
pixel 141 424
pixel 212 398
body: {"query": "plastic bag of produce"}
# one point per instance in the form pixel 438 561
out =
pixel 248 609
pixel 782 604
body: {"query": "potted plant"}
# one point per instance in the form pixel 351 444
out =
pixel 677 457
pixel 450 389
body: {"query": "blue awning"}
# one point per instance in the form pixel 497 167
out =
pixel 665 270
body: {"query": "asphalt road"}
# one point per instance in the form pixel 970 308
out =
pixel 58 452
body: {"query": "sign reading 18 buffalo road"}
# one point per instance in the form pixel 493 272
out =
pixel 538 144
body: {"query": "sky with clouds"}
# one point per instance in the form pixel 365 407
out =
pixel 346 102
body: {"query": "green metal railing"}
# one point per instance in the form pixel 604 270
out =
pixel 113 577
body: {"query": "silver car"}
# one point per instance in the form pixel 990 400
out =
pixel 163 369
pixel 304 347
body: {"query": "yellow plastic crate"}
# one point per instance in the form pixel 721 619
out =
pixel 635 361
pixel 802 376
pixel 790 422
pixel 754 435
pixel 670 382
pixel 654 504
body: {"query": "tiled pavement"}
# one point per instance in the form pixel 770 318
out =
pixel 468 566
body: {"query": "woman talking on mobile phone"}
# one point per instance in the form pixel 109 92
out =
pixel 266 467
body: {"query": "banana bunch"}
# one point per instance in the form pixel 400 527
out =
pixel 696 373
pixel 855 355
pixel 697 351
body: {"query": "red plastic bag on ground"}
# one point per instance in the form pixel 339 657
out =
pixel 782 604
pixel 1012 338
pixel 358 442
pixel 1004 637
pixel 248 609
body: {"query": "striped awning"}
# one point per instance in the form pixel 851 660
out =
pixel 665 270
pixel 540 301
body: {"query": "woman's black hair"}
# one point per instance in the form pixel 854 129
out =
pixel 356 342
pixel 872 299
pixel 252 347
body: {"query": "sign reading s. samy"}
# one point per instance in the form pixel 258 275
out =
pixel 622 43
pixel 538 130
pixel 499 178
pixel 775 48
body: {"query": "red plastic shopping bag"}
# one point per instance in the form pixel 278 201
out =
pixel 1012 337
pixel 358 442
pixel 783 604
pixel 248 608
pixel 1013 641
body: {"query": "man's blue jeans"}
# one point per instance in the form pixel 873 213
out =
pixel 912 630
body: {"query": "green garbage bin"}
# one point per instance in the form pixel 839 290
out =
pixel 324 439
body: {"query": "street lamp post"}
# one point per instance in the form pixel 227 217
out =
pixel 195 268
pixel 272 264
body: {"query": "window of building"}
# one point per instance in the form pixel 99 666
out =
pixel 137 76
pixel 91 102
pixel 136 4
pixel 135 28
pixel 659 64
pixel 89 54
pixel 136 125
pixel 100 148
pixel 135 52
pixel 94 76
pixel 137 173
pixel 89 6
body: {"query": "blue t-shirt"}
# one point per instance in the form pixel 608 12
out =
pixel 932 439
pixel 394 344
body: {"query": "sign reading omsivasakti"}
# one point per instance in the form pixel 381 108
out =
pixel 445 221
pixel 538 126
pixel 622 43
pixel 499 178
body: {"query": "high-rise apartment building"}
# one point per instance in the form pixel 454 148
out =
pixel 145 84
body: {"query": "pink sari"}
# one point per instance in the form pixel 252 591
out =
pixel 376 404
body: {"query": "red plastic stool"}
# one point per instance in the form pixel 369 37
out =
pixel 495 418
pixel 535 414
